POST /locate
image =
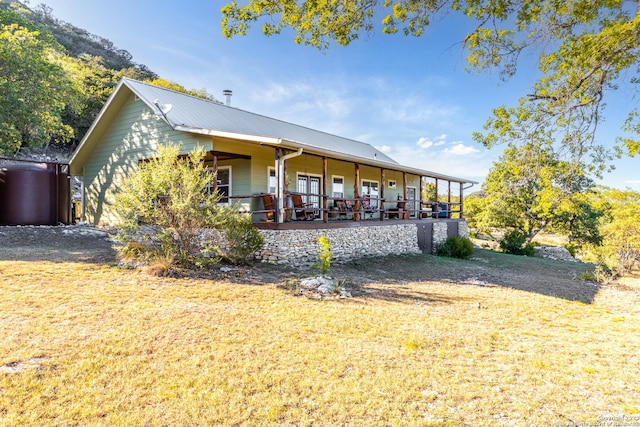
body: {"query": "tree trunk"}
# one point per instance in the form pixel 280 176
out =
pixel 533 233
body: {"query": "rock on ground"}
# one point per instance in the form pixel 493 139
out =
pixel 554 252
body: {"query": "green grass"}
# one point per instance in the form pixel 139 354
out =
pixel 86 344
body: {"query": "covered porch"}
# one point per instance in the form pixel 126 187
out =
pixel 308 187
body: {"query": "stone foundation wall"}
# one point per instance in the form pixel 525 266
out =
pixel 300 247
pixel 463 229
pixel 439 233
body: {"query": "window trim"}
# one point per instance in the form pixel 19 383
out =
pixel 362 181
pixel 230 168
pixel 275 180
pixel 333 192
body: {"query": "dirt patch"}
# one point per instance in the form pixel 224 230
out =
pixel 382 277
pixel 77 243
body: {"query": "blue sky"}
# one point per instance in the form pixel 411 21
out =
pixel 410 97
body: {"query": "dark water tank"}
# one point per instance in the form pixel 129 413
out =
pixel 34 193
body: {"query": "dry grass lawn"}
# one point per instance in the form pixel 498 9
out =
pixel 92 344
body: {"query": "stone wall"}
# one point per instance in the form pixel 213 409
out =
pixel 463 229
pixel 440 232
pixel 300 247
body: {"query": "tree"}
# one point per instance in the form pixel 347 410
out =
pixel 95 82
pixel 578 219
pixel 620 230
pixel 585 48
pixel 35 91
pixel 530 189
pixel 198 93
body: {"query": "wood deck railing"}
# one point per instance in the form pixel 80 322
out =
pixel 362 208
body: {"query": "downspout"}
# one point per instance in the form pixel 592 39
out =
pixel 280 188
pixel 462 188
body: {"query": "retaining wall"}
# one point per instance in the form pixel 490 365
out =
pixel 300 246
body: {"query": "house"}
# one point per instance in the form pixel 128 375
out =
pixel 260 162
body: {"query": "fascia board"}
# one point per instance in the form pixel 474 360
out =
pixel 96 122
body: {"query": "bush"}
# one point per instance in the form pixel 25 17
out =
pixel 242 239
pixel 513 243
pixel 325 256
pixel 455 247
pixel 165 212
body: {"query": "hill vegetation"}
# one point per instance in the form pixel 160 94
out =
pixel 55 77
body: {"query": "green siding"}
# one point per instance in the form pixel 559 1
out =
pixel 134 135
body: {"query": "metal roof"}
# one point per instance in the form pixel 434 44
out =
pixel 191 113
pixel 196 115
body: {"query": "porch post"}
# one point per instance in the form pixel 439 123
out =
pixel 437 201
pixel 461 200
pixel 382 199
pixel 281 171
pixel 279 217
pixel 214 178
pixel 404 186
pixel 325 213
pixel 420 197
pixel 356 193
pixel 449 200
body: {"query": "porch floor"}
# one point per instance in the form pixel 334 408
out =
pixel 345 223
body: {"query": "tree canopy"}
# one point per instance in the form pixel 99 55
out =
pixel 34 90
pixel 55 78
pixel 530 190
pixel 585 49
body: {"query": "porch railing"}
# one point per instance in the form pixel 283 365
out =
pixel 362 208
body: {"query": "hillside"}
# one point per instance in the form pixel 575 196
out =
pixel 71 73
pixel 77 41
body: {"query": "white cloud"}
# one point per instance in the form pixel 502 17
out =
pixel 384 148
pixel 424 142
pixel 474 166
pixel 461 150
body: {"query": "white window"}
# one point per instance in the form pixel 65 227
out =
pixel 338 186
pixel 223 183
pixel 272 180
pixel 370 191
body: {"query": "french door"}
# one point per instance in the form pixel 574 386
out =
pixel 413 204
pixel 310 186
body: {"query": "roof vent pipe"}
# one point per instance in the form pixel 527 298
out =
pixel 227 93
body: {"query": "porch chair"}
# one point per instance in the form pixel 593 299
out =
pixel 344 208
pixel 303 210
pixel 442 210
pixel 269 204
pixel 367 208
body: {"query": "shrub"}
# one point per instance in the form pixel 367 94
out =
pixel 572 248
pixel 325 255
pixel 242 239
pixel 165 210
pixel 455 247
pixel 513 242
